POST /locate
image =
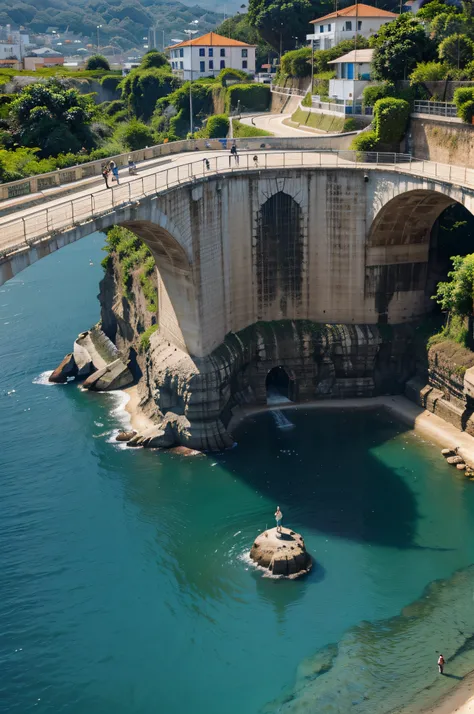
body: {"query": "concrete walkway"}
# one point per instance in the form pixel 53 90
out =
pixel 274 123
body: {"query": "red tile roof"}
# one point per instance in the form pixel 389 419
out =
pixel 358 10
pixel 211 39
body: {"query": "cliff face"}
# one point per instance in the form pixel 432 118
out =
pixel 128 318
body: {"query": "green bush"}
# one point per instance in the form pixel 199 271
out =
pixel 252 97
pixel 142 89
pixel 466 111
pixel 145 338
pixel 217 126
pixel 297 63
pixel 321 82
pixel 307 101
pixel 390 119
pixel 154 58
pixel 428 72
pixel 462 95
pixel 232 74
pixel 97 62
pixel 136 135
pixel 373 93
pixel 110 82
pixel 113 107
pixel 366 141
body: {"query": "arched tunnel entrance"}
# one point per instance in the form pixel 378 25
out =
pixel 280 386
pixel 409 250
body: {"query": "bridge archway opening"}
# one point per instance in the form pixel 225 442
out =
pixel 409 250
pixel 177 311
pixel 280 385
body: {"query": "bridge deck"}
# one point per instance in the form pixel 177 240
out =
pixel 30 225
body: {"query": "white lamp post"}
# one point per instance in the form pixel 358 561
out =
pixel 98 43
pixel 190 33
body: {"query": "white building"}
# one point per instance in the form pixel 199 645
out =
pixel 205 56
pixel 352 75
pixel 362 19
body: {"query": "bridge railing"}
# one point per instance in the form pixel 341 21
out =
pixel 72 174
pixel 72 211
pixel 439 109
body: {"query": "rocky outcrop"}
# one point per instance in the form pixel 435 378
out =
pixel 96 359
pixel 281 553
pixel 66 369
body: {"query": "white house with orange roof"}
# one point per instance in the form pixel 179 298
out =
pixel 365 20
pixel 205 56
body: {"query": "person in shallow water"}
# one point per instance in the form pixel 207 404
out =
pixel 441 664
pixel 278 518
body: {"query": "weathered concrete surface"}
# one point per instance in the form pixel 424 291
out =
pixel 115 375
pixel 437 139
pixel 319 244
pixel 282 553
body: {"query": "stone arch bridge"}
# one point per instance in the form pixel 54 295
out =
pixel 291 259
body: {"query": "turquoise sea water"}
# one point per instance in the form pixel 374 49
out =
pixel 124 586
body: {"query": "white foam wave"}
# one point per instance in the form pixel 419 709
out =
pixel 43 379
pixel 245 558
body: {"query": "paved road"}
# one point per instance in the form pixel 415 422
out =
pixel 39 222
pixel 274 124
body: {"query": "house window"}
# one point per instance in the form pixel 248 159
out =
pixel 211 52
pixel 329 27
pixel 244 64
pixel 222 52
pixel 359 25
pixel 348 26
pixel 211 64
pixel 245 53
pixel 181 52
pixel 222 64
pixel 202 66
pixel 321 28
pixel 202 52
pixel 181 65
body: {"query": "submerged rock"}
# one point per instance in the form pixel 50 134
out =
pixel 454 460
pixel 67 368
pixel 448 452
pixel 185 451
pixel 281 553
pixel 125 435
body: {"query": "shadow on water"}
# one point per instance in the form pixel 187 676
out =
pixel 325 478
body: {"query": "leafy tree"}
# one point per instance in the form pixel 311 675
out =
pixel 137 135
pixel 436 7
pixel 53 118
pixel 153 58
pixel 297 63
pixel 456 295
pixel 390 119
pixel 142 89
pixel 217 126
pixel 428 72
pixel 457 50
pixel 280 22
pixel 97 62
pixel 448 24
pixel 399 46
pixel 373 92
pixel 239 28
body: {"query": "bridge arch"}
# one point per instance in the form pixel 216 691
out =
pixel 403 260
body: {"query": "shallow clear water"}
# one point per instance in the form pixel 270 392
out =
pixel 124 587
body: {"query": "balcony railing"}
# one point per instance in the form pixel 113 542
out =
pixel 439 109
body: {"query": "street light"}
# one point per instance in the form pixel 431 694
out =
pixel 190 33
pixel 98 43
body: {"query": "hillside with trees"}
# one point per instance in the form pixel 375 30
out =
pixel 124 24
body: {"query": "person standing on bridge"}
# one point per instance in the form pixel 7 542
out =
pixel 114 169
pixel 105 174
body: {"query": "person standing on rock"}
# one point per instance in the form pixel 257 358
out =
pixel 278 518
pixel 441 664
